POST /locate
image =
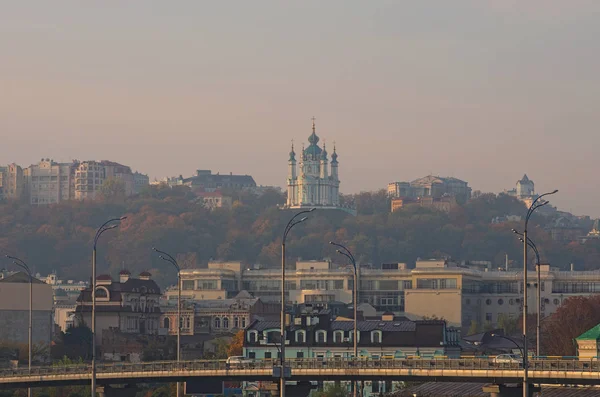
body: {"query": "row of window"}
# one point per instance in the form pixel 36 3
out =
pixel 517 301
pixel 238 322
pixel 321 336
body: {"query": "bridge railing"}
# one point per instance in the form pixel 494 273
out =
pixel 306 363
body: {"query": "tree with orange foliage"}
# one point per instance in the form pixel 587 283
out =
pixel 574 317
pixel 237 344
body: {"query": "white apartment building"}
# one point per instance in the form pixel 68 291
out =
pixel 49 182
pixel 435 288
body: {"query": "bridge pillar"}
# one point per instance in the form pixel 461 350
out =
pixel 107 391
pixel 508 391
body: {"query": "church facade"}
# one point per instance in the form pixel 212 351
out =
pixel 313 181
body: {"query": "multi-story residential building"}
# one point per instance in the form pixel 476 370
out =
pixel 12 183
pixel 129 305
pixel 89 177
pixel 140 181
pixel 431 186
pixel 320 335
pixel 14 309
pixel 434 288
pixel 121 172
pixel 49 182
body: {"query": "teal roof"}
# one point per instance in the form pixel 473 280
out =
pixel 590 334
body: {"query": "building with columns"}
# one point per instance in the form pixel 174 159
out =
pixel 314 182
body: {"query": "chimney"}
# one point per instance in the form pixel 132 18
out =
pixel 145 276
pixel 572 267
pixel 124 275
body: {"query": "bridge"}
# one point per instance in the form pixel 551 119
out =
pixel 561 372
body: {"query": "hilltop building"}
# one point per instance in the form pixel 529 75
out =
pixel 430 191
pixel 314 182
pixel 524 190
pixel 11 182
pixel 206 181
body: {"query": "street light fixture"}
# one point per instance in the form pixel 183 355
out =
pixel 509 339
pixel 23 265
pixel 168 258
pixel 348 254
pixel 534 206
pixel 292 222
pixel 105 226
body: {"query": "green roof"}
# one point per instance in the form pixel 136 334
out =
pixel 591 334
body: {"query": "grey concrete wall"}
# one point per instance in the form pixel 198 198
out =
pixel 14 326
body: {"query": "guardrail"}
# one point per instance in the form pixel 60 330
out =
pixel 561 365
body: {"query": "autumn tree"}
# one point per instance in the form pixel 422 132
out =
pixel 574 317
pixel 236 346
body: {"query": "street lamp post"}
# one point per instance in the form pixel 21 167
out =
pixel 534 206
pixel 292 222
pixel 168 258
pixel 23 265
pixel 532 245
pixel 105 226
pixel 346 252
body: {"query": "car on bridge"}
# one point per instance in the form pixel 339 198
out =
pixel 508 359
pixel 238 362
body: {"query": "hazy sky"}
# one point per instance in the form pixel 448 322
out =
pixel 480 90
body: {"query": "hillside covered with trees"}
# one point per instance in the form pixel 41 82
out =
pixel 60 237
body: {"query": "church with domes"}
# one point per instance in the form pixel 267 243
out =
pixel 314 181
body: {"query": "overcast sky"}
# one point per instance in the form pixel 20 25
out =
pixel 480 90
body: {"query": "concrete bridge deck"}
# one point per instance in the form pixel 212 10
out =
pixel 446 370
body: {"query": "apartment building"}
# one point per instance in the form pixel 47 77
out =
pixel 49 182
pixel 11 181
pixel 457 293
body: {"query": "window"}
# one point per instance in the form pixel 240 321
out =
pixel 166 323
pixel 375 336
pixel 500 301
pixel 252 355
pixel 301 336
pixel 243 322
pixel 267 354
pixel 511 301
pixel 187 284
pixel 488 302
pixel 226 322
pixel 556 302
pixel 338 336
pixel 488 317
pixel 468 301
pixel 236 322
pixel 252 336
pixel 299 354
pixel 217 322
pixel 321 336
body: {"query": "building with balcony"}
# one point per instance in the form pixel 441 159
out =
pixel 12 183
pixel 129 305
pixel 459 293
pixel 49 182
